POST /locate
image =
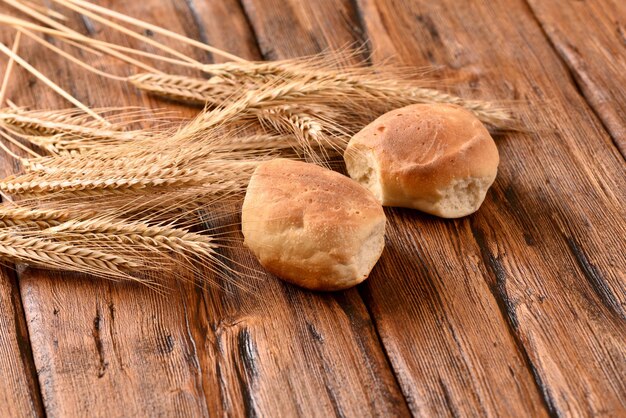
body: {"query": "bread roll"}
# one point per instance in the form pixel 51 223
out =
pixel 436 158
pixel 311 226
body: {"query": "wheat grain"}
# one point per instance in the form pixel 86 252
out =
pixel 369 94
pixel 139 234
pixel 49 254
pixel 223 175
pixel 166 177
pixel 69 132
pixel 57 131
pixel 184 89
pixel 23 217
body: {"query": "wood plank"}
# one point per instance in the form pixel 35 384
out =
pixel 118 350
pixel 109 349
pixel 590 36
pixel 19 391
pixel 549 240
pixel 453 354
pixel 281 349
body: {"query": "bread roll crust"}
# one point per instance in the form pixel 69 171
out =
pixel 311 226
pixel 437 158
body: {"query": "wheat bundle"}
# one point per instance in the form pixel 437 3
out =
pixel 151 181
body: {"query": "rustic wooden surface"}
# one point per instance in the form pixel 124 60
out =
pixel 591 39
pixel 518 310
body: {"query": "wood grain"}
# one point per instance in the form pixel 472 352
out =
pixel 110 349
pixel 442 341
pixel 517 310
pixel 279 348
pixel 19 390
pixel 548 241
pixel 107 349
pixel 590 36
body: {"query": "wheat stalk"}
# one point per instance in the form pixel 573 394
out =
pixel 224 176
pixel 139 234
pixel 381 92
pixel 183 88
pixel 60 132
pixel 23 217
pixel 49 254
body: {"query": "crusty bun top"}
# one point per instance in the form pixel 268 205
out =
pixel 312 226
pixel 418 152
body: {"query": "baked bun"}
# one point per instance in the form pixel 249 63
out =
pixel 436 158
pixel 311 226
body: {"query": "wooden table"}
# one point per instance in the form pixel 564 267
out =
pixel 518 310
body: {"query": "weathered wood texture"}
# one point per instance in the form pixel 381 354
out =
pixel 19 391
pixel 439 351
pixel 517 310
pixel 549 240
pixel 104 349
pixel 590 36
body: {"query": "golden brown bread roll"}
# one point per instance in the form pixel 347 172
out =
pixel 436 158
pixel 311 226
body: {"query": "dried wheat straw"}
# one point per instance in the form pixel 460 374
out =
pixel 223 175
pixel 183 88
pixel 51 254
pixel 139 235
pixel 23 217
pixel 308 104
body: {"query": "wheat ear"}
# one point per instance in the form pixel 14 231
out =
pixel 59 132
pixel 183 89
pixel 219 177
pixel 139 234
pixel 166 177
pixel 21 217
pixel 377 82
pixel 49 254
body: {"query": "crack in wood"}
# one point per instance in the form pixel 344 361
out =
pixel 97 324
pixel 24 345
pixel 595 279
pixel 246 370
pixel 193 356
pixel 498 289
pixel 248 354
pixel 454 411
pixel 112 335
pixel 507 309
